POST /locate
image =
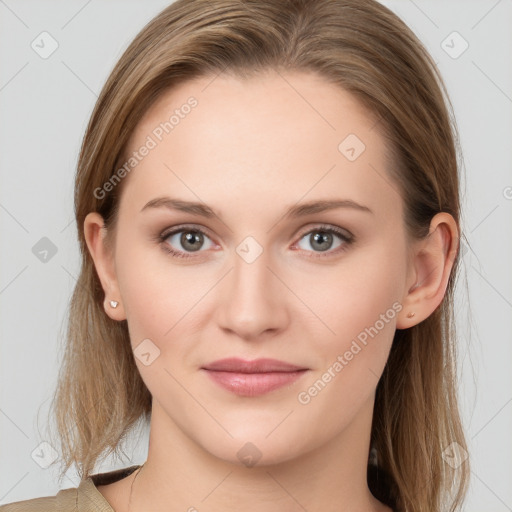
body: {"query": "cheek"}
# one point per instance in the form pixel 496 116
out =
pixel 159 296
pixel 144 287
pixel 355 295
pixel 360 305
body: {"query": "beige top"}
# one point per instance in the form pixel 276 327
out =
pixel 84 498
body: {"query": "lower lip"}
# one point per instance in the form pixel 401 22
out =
pixel 253 384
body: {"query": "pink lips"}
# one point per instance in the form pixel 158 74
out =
pixel 252 378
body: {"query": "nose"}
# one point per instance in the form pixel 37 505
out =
pixel 253 302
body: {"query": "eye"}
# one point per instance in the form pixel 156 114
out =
pixel 183 241
pixel 323 239
pixel 186 239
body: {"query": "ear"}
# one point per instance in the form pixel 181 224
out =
pixel 430 266
pixel 103 257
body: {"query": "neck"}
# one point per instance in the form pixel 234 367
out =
pixel 180 475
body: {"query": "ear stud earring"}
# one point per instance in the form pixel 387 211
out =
pixel 114 303
pixel 411 314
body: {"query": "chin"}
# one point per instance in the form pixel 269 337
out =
pixel 252 445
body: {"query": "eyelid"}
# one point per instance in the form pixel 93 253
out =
pixel 328 227
pixel 183 227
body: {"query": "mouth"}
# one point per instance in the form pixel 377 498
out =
pixel 252 378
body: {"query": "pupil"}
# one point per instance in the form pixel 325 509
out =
pixel 190 238
pixel 320 239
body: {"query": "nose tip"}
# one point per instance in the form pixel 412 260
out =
pixel 251 302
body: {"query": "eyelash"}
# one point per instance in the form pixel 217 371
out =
pixel 348 240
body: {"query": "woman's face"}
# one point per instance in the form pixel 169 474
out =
pixel 271 276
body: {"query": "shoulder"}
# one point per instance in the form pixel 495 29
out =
pixel 84 498
pixel 65 500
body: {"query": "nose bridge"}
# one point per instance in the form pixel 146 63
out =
pixel 253 301
pixel 250 275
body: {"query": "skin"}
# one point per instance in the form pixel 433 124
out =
pixel 250 150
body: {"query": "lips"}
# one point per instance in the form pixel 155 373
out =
pixel 252 378
pixel 257 366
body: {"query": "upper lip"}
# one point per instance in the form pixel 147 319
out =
pixel 237 365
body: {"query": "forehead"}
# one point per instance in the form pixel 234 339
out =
pixel 274 137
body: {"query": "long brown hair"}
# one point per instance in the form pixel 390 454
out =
pixel 365 49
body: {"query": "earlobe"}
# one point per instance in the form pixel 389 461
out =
pixel 94 232
pixel 432 261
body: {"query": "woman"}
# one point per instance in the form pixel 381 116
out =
pixel 268 211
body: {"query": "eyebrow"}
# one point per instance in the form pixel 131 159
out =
pixel 299 210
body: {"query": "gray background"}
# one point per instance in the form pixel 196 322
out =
pixel 45 105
